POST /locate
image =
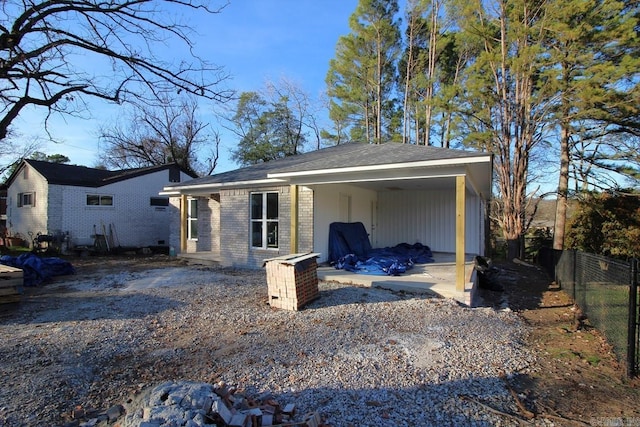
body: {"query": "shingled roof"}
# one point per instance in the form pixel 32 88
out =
pixel 336 157
pixel 82 176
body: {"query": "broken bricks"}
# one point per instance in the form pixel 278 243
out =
pixel 234 409
pixel 210 404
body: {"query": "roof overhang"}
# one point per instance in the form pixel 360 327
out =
pixel 430 174
pixel 402 176
pixel 208 188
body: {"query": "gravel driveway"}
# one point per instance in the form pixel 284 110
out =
pixel 357 356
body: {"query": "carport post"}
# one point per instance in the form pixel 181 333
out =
pixel 460 232
pixel 293 191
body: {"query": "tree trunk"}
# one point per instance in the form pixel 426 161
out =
pixel 563 190
pixel 409 71
pixel 563 180
pixel 513 249
pixel 431 66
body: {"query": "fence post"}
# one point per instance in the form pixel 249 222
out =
pixel 574 274
pixel 633 320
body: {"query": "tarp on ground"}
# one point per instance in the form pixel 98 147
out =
pixel 351 250
pixel 37 270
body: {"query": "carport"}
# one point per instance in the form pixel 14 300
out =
pixel 440 201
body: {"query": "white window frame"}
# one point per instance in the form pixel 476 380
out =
pixel 102 200
pixel 269 241
pixel 30 195
pixel 192 218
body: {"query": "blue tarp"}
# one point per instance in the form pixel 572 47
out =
pixel 350 249
pixel 36 270
pixel 347 238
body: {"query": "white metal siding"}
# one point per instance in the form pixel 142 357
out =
pixel 327 210
pixel 427 217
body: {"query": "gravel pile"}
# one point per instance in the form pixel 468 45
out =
pixel 357 356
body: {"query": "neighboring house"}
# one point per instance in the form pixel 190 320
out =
pixel 80 203
pixel 401 193
pixel 3 210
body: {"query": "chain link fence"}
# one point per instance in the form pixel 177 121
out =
pixel 606 291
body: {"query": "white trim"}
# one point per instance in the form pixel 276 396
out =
pixel 328 176
pixel 264 221
pixel 185 189
pixel 391 166
pixel 191 219
pixel 397 178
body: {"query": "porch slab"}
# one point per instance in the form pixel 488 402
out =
pixel 438 278
pixel 208 259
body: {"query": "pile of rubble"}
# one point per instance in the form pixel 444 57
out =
pixel 196 404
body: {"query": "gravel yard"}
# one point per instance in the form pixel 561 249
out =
pixel 357 356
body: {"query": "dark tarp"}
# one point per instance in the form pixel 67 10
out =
pixel 488 275
pixel 36 270
pixel 347 238
pixel 350 249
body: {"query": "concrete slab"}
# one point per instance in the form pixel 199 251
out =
pixel 438 278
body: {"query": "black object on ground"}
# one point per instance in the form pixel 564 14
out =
pixel 488 275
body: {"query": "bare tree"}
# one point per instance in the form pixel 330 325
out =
pixel 169 131
pixel 13 153
pixel 272 123
pixel 41 43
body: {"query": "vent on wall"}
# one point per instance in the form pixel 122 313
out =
pixel 174 174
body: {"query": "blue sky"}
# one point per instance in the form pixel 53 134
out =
pixel 254 40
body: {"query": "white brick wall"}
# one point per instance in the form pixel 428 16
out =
pixel 174 223
pixel 132 221
pixel 305 219
pixel 234 228
pixel 223 225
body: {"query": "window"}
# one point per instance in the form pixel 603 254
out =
pixel 26 199
pixel 192 219
pixel 264 220
pixel 159 201
pixel 99 200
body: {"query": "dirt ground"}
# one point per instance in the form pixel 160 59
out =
pixel 579 381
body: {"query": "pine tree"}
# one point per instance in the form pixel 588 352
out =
pixel 362 78
pixel 503 107
pixel 593 69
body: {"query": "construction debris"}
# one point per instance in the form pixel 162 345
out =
pixel 206 404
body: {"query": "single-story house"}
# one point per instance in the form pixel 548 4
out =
pixel 79 203
pixel 401 193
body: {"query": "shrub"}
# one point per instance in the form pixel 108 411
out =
pixel 607 223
